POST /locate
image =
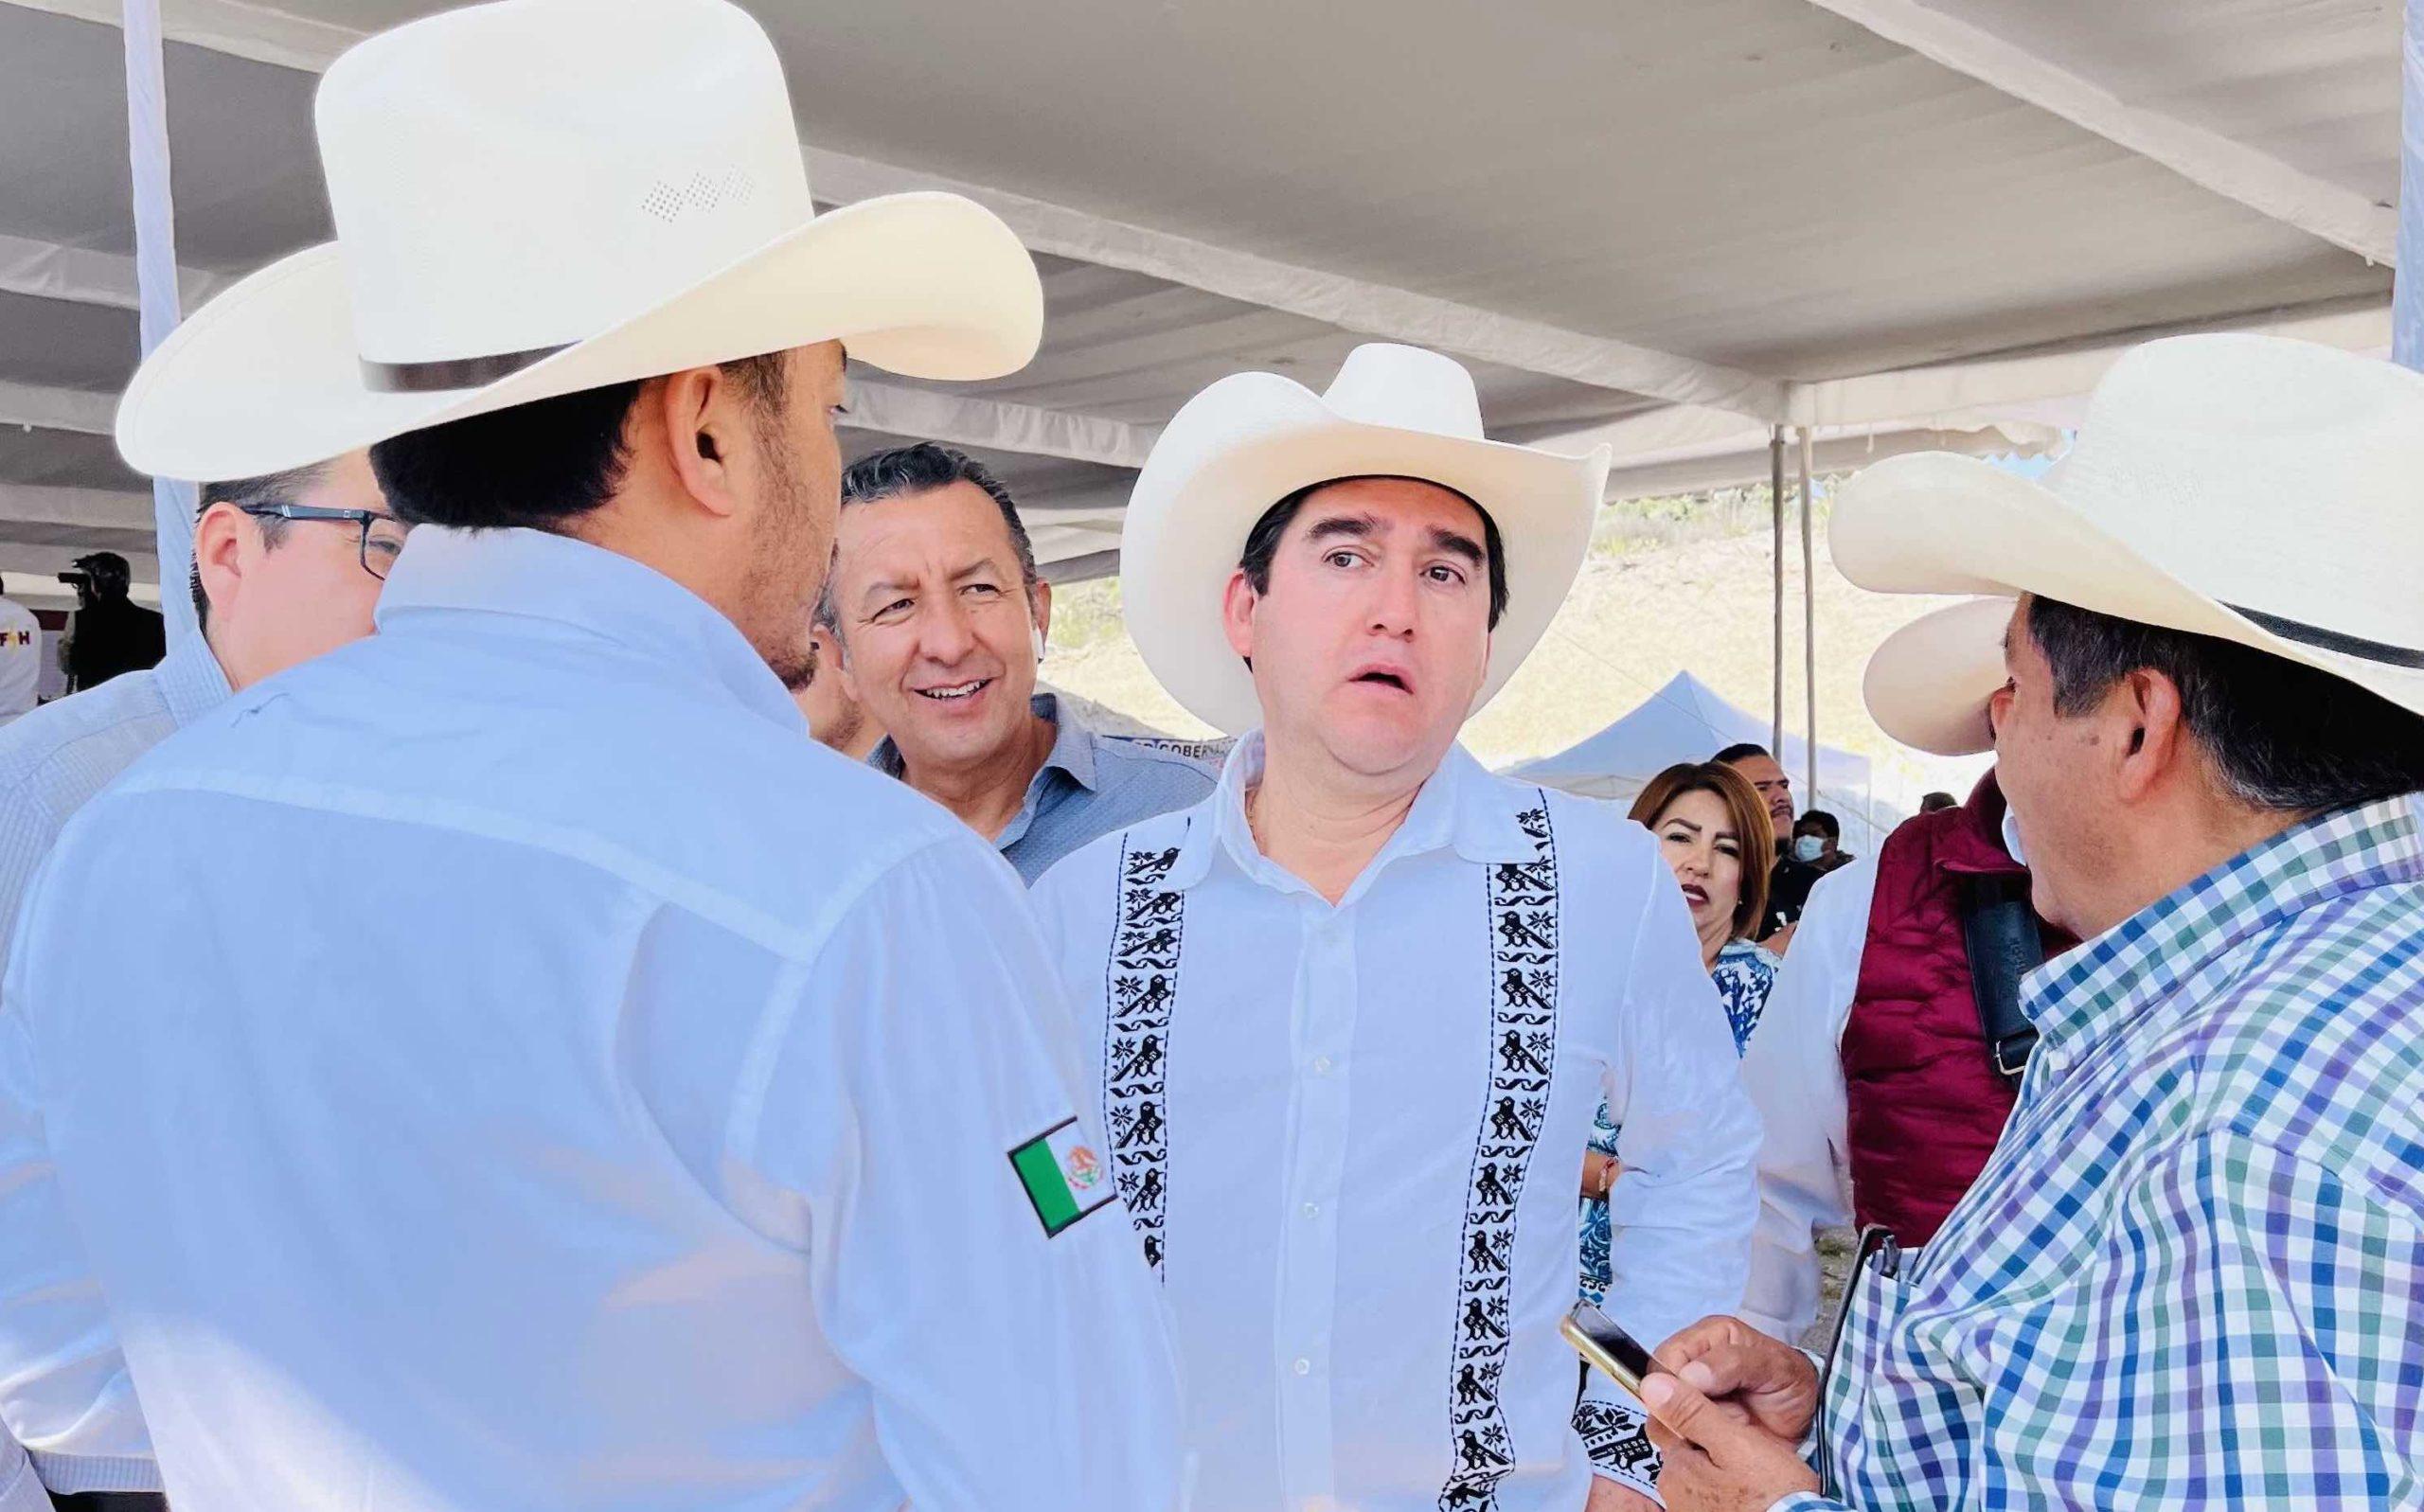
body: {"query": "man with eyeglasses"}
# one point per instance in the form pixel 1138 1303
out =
pixel 285 567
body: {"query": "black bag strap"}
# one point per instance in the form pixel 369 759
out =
pixel 2004 944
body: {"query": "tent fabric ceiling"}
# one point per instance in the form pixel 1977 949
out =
pixel 1763 189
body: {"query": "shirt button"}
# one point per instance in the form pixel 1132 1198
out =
pixel 1303 1367
pixel 1321 1065
pixel 1312 1210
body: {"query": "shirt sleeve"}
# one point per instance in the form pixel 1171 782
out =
pixel 2253 1317
pixel 26 834
pixel 1017 1359
pixel 1794 1071
pixel 65 1391
pixel 20 1489
pixel 1682 1209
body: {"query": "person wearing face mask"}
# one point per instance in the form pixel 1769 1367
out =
pixel 1818 841
pixel 938 618
pixel 1893 1060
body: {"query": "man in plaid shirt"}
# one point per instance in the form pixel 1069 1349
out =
pixel 2193 1272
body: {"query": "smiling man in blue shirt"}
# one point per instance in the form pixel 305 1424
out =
pixel 941 617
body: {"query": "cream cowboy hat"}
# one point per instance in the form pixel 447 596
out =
pixel 1253 438
pixel 2259 490
pixel 537 197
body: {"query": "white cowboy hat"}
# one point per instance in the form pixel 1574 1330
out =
pixel 1929 682
pixel 537 197
pixel 1253 438
pixel 2251 489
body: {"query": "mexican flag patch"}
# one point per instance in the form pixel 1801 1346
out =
pixel 1065 1177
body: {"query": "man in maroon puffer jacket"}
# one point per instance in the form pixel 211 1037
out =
pixel 1880 1090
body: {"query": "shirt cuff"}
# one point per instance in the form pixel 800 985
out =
pixel 1809 1502
pixel 20 1487
pixel 1616 1437
pixel 68 1474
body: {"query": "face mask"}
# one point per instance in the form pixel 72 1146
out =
pixel 1809 848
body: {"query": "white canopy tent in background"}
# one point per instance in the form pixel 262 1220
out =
pixel 1699 232
pixel 1686 720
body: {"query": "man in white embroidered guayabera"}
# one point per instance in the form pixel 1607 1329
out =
pixel 545 1079
pixel 1350 1017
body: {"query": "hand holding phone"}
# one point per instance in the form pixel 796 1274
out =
pixel 1598 1338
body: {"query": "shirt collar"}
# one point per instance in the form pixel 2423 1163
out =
pixel 539 575
pixel 1073 746
pixel 2145 959
pixel 1461 807
pixel 190 680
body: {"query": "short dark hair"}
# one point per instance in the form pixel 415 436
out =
pixel 245 493
pixel 1262 541
pixel 1824 822
pixel 1742 751
pixel 924 468
pixel 543 464
pixel 2282 736
pixel 1931 802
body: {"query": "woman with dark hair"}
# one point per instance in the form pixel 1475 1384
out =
pixel 1708 819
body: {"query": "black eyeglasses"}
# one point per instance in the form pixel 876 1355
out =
pixel 381 535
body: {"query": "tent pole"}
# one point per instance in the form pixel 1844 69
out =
pixel 2407 298
pixel 155 284
pixel 1775 659
pixel 1808 625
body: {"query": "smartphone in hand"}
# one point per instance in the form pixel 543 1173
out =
pixel 1598 1338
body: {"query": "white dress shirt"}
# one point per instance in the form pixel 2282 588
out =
pixel 19 659
pixel 1353 1135
pixel 1794 1071
pixel 544 1079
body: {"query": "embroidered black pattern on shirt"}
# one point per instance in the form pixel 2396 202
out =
pixel 1140 989
pixel 1522 907
pixel 1616 1438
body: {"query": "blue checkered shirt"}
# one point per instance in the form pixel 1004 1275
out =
pixel 2192 1274
pixel 1091 785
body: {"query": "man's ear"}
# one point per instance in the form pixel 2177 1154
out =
pixel 219 554
pixel 1237 603
pixel 2153 732
pixel 706 421
pixel 1040 605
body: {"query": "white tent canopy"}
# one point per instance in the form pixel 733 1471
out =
pixel 1901 223
pixel 1685 722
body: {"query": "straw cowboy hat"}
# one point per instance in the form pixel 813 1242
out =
pixel 1929 684
pixel 537 197
pixel 2246 487
pixel 1253 438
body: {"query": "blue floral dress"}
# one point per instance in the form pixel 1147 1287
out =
pixel 1743 974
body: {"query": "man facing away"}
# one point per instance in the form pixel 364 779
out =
pixel 1351 1016
pixel 835 718
pixel 285 567
pixel 940 617
pixel 2192 1273
pixel 551 1081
